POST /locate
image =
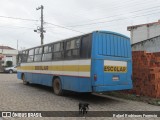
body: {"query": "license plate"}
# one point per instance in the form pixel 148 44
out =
pixel 115 78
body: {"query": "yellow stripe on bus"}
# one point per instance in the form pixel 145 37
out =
pixel 76 68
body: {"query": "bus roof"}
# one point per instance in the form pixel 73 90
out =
pixel 101 31
pixel 111 32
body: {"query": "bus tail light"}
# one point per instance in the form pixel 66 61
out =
pixel 95 77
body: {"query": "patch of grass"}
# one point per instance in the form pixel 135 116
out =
pixel 154 102
pixel 134 97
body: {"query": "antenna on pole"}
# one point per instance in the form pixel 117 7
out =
pixel 41 29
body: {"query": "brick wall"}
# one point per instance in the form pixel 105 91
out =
pixel 146 74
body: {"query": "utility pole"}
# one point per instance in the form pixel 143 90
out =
pixel 2 48
pixel 41 29
pixel 17 44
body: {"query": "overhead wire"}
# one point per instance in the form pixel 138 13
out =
pixel 64 27
pixel 68 27
pixel 16 27
pixel 115 8
pixel 74 14
pixel 90 27
pixel 81 25
pixel 38 20
pixel 80 10
pixel 19 18
pixel 121 14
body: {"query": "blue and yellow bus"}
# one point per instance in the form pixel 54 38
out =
pixel 96 62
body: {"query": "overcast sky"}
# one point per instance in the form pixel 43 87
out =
pixel 80 15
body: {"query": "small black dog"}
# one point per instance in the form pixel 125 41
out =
pixel 83 108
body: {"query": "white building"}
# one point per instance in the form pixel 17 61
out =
pixel 8 54
pixel 145 37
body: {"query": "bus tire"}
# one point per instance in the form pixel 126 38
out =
pixel 57 87
pixel 24 81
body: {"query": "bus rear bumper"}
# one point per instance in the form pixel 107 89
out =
pixel 111 88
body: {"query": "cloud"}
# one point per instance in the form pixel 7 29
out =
pixel 69 13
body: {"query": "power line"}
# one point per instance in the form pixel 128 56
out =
pixel 15 27
pixel 38 20
pixel 121 14
pixel 114 21
pixel 64 27
pixel 54 35
pixel 115 8
pixel 80 24
pixel 123 6
pixel 19 18
pixel 110 20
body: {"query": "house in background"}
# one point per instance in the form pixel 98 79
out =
pixel 145 37
pixel 8 54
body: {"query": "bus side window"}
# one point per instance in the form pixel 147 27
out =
pixel 47 53
pixel 38 54
pixel 72 48
pixel 58 51
pixel 30 55
pixel 85 47
pixel 24 56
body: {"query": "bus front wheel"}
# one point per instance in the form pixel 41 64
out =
pixel 57 87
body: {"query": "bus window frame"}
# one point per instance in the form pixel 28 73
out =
pixel 72 57
pixel 89 47
pixel 61 51
pixel 40 47
pixel 44 53
pixel 22 56
pixel 31 55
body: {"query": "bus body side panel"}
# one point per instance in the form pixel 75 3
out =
pixel 74 74
pixel 77 76
pixel 76 84
pixel 19 74
pixel 72 83
pixel 37 78
pixel 43 79
pixel 28 76
pixel 111 62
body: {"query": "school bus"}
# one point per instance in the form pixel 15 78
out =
pixel 96 62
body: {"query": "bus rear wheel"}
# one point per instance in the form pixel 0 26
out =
pixel 57 87
pixel 24 81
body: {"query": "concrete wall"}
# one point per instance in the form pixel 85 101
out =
pixel 12 58
pixel 154 30
pixel 9 52
pixel 150 45
pixel 144 32
pixel 9 55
